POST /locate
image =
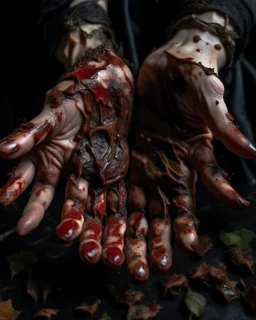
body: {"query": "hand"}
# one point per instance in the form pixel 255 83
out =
pixel 82 131
pixel 180 108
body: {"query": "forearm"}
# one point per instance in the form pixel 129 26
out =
pixel 82 36
pixel 71 28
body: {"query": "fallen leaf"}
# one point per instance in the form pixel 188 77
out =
pixel 20 261
pixel 7 312
pixel 90 309
pixel 105 316
pixel 241 238
pixel 46 314
pixel 196 303
pixel 38 288
pixel 174 284
pixel 240 258
pixel 125 296
pixel 228 289
pixel 206 272
pixel 250 297
pixel 203 246
pixel 143 311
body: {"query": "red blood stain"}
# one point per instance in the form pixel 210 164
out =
pixel 66 226
pixel 91 251
pixel 94 226
pixel 74 214
pixel 44 203
pixel 115 256
pixel 196 38
pixel 114 227
pixel 28 125
pixel 100 206
pixel 58 116
pixel 39 191
pixel 217 46
pixel 42 130
pixel 13 180
pixel 198 50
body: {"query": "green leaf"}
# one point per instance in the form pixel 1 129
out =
pixel 105 316
pixel 241 238
pixel 195 303
pixel 20 261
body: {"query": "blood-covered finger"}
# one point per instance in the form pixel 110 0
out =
pixel 90 240
pixel 136 247
pixel 220 121
pixel 72 218
pixel 160 252
pixel 40 199
pixel 29 134
pixel 215 179
pixel 113 239
pixel 20 179
pixel 112 253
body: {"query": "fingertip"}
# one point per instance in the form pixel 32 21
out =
pixel 189 240
pixel 160 261
pixel 68 230
pixel 90 252
pixel 140 272
pixel 113 257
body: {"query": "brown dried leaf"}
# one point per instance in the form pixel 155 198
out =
pixel 90 309
pixel 46 314
pixel 144 311
pixel 240 258
pixel 7 312
pixel 33 288
pixel 250 297
pixel 38 289
pixel 228 289
pixel 207 273
pixel 203 246
pixel 46 289
pixel 174 284
pixel 127 297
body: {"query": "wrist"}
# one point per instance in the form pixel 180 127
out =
pixel 208 38
pixel 76 42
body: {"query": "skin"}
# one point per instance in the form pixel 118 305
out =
pixel 83 130
pixel 180 108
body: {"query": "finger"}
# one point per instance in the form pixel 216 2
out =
pixel 160 251
pixel 136 247
pixel 31 133
pixel 179 189
pixel 220 121
pixel 33 213
pixel 214 178
pixel 137 227
pixel 90 239
pixel 20 179
pixel 72 218
pixel 48 175
pixel 90 248
pixel 113 240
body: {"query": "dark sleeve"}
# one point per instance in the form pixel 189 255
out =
pixel 241 12
pixel 55 17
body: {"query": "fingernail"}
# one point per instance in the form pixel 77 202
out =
pixel 251 147
pixel 9 148
pixel 67 229
pixel 114 256
pixel 244 202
